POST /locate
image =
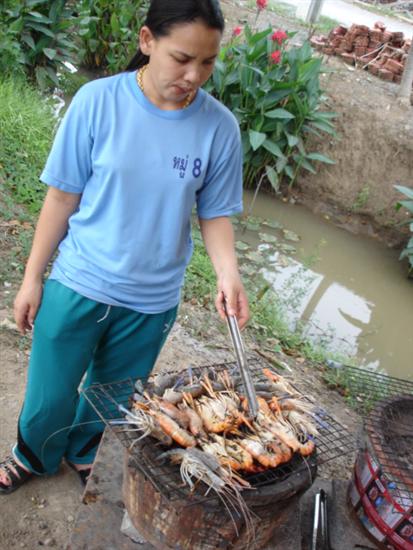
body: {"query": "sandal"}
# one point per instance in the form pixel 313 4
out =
pixel 17 475
pixel 83 474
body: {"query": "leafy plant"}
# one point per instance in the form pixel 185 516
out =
pixel 408 204
pixel 108 30
pixel 274 92
pixel 37 37
pixel 27 125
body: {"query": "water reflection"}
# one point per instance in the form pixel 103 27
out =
pixel 355 297
pixel 335 316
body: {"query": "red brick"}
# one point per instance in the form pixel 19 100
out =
pixel 387 36
pixel 361 41
pixel 348 58
pixel 359 51
pixel 376 36
pixel 373 68
pixel 328 50
pixel 393 66
pixel 384 74
pixel 380 25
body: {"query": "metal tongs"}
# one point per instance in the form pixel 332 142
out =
pixel 242 363
pixel 320 525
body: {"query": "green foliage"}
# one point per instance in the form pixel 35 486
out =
pixel 71 82
pixel 27 125
pixel 108 30
pixel 362 198
pixel 36 39
pixel 408 204
pixel 275 95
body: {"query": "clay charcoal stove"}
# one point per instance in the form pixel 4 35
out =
pixel 382 488
pixel 171 514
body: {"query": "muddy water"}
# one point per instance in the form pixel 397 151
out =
pixel 351 291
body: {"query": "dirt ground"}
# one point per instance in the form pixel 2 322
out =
pixel 374 153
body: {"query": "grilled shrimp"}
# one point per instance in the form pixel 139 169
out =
pixel 279 383
pixel 195 421
pixel 254 446
pixel 215 415
pixel 297 405
pixel 171 428
pixel 173 412
pixel 301 424
pixel 148 425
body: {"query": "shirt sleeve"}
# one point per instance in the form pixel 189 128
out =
pixel 69 165
pixel 221 193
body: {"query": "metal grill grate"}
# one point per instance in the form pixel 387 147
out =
pixel 390 429
pixel 386 403
pixel 363 388
pixel 333 440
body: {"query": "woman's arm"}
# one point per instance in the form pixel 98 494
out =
pixel 51 227
pixel 218 237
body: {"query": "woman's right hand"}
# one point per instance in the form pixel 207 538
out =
pixel 26 304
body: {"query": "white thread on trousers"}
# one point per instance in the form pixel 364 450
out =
pixel 167 327
pixel 106 314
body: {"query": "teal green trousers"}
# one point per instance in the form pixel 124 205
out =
pixel 73 336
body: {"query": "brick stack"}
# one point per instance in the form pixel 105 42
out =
pixel 382 52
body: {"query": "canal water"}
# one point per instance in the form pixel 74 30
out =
pixel 351 291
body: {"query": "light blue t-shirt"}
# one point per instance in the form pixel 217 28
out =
pixel 140 171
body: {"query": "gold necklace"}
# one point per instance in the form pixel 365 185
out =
pixel 139 80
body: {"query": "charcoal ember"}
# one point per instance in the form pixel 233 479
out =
pixel 397 78
pixel 385 74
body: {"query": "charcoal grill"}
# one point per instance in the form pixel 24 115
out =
pixel 381 491
pixel 161 485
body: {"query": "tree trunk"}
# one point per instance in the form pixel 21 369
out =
pixel 407 80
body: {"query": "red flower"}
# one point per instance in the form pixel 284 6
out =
pixel 276 57
pixel 262 4
pixel 279 36
pixel 237 31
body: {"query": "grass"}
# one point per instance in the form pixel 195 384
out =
pixel 27 125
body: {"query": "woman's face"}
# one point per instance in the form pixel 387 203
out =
pixel 180 63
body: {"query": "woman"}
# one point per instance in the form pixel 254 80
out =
pixel 134 153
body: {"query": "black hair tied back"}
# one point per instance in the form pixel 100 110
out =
pixel 164 14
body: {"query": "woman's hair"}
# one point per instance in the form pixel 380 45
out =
pixel 164 14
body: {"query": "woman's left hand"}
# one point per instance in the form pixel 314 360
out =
pixel 232 291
